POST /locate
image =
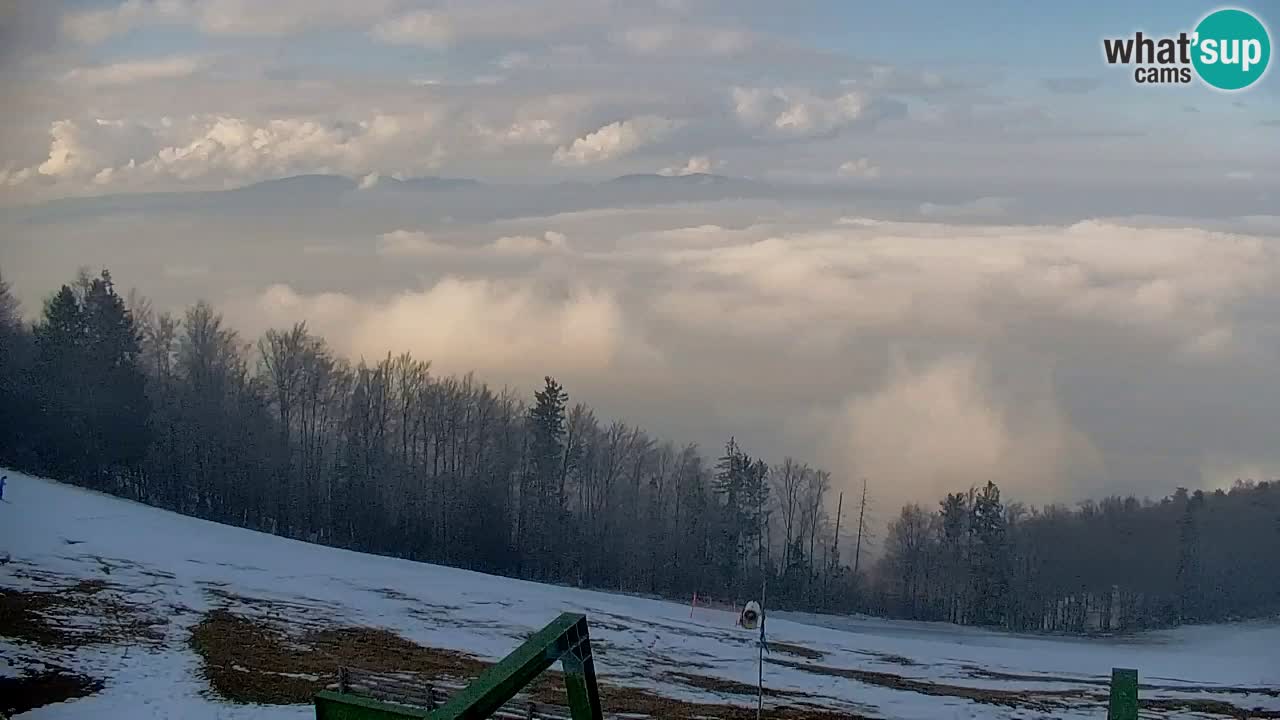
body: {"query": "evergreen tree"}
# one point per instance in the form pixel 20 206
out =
pixel 58 383
pixel 955 556
pixel 541 498
pixel 119 410
pixel 15 391
pixel 990 556
pixel 1189 555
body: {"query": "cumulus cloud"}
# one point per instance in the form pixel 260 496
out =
pixel 80 152
pixel 798 112
pixel 529 244
pixel 860 168
pixel 613 140
pixel 540 121
pixel 697 165
pixel 115 152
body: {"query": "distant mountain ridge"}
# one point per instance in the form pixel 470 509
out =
pixel 430 196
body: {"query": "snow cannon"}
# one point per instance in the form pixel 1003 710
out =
pixel 751 616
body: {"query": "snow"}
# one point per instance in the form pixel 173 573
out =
pixel 182 567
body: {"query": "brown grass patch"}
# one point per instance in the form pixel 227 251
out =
pixel 20 694
pixel 1209 707
pixel 720 685
pixel 50 617
pixel 1043 701
pixel 249 660
pixel 797 650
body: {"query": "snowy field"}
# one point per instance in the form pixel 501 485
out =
pixel 147 577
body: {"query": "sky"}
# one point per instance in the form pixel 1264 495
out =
pixel 961 247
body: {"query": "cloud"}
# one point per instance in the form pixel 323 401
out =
pixel 223 17
pixel 94 26
pixel 539 121
pixel 860 168
pixel 1072 85
pixel 80 152
pixel 408 243
pixel 282 17
pixel 421 27
pixel 125 73
pixel 986 207
pixel 944 427
pixel 460 324
pixel 613 140
pixel 1175 289
pixel 798 112
pixel 528 244
pixel 449 23
pixel 923 355
pixel 128 154
pixel 684 41
pixel 697 165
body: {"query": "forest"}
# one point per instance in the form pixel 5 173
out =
pixel 282 434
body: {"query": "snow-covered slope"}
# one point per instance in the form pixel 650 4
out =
pixel 180 568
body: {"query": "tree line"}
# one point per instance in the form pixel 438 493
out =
pixel 283 435
pixel 1115 565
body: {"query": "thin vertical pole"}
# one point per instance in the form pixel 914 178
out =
pixel 764 584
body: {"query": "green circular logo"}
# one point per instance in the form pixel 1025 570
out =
pixel 1232 49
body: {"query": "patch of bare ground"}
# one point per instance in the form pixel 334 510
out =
pixel 88 612
pixel 1042 701
pixel 731 687
pixel 249 659
pixel 797 650
pixel 35 690
pixel 1048 700
pixel 1205 707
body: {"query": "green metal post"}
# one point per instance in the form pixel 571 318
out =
pixel 1124 695
pixel 565 637
pixel 580 675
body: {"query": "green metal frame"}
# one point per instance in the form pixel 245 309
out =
pixel 1124 695
pixel 566 640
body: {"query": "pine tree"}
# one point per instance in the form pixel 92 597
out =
pixel 955 532
pixel 990 556
pixel 15 388
pixel 119 408
pixel 1189 556
pixel 540 501
pixel 58 379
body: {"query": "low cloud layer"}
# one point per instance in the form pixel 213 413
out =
pixel 1060 360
